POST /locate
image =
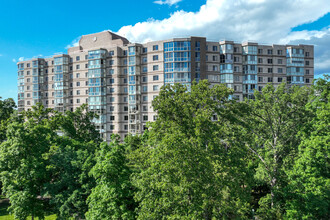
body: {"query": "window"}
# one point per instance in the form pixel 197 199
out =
pixel 112 117
pixel 236 68
pixel 214 58
pixel 77 75
pixel 28 80
pixel 78 83
pixel 155 67
pixel 111 53
pixel 155 117
pixel 144 69
pixel 307 72
pixel 125 80
pixel 77 67
pixel 279 61
pixel 125 90
pixel 236 78
pixel 28 73
pixel 112 108
pixel 259 51
pixel 259 60
pixel 144 88
pixel 111 81
pixel 279 79
pixel 78 92
pixel 155 88
pixel 111 62
pixel 144 108
pixel 215 68
pixel 215 48
pixel 260 70
pixel 78 101
pixel 125 127
pixel 155 57
pixel 269 51
pixel 260 88
pixel 307 80
pixel 236 49
pixel 145 117
pixel 270 79
pixel 126 117
pixel 279 52
pixel 112 90
pixel 112 127
pixel 144 50
pixel 269 61
pixel 77 58
pixel 155 78
pixel 307 62
pixel 112 99
pixel 260 79
pixel 125 53
pixel 236 59
pixel 145 98
pixel 144 59
pixel 86 57
pixel 126 108
pixel 280 70
pixel 155 47
pixel 111 71
pixel 270 70
pixel 144 79
pixel 307 55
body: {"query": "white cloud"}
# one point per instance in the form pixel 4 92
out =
pixel 167 2
pixel 262 21
pixel 74 43
pixel 14 60
pixel 240 20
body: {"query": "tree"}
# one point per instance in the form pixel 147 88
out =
pixel 112 197
pixel 272 122
pixel 309 180
pixel 71 158
pixel 7 108
pixel 189 169
pixel 22 162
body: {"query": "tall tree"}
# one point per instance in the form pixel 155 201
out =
pixel 22 162
pixel 272 122
pixel 112 197
pixel 72 156
pixel 188 168
pixel 7 107
pixel 309 180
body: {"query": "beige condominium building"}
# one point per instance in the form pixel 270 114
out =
pixel 119 79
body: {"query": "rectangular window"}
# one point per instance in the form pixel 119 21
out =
pixel 155 78
pixel 269 51
pixel 111 53
pixel 307 62
pixel 155 57
pixel 145 88
pixel 279 61
pixel 215 48
pixel 111 81
pixel 260 79
pixel 145 117
pixel 78 83
pixel 269 61
pixel 144 79
pixel 77 58
pixel 270 79
pixel 111 71
pixel 307 72
pixel 144 50
pixel 279 52
pixel 259 60
pixel 279 79
pixel 270 70
pixel 112 117
pixel 77 67
pixel 145 98
pixel 259 51
pixel 280 70
pixel 155 67
pixel 155 47
pixel 155 88
pixel 307 80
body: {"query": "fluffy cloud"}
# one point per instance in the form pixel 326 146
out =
pixel 167 2
pixel 264 21
pixel 74 43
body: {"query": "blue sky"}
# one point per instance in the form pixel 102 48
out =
pixel 42 28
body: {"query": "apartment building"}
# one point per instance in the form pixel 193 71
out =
pixel 119 79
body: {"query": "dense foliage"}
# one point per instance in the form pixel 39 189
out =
pixel 205 157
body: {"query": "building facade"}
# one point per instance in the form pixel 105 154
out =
pixel 119 79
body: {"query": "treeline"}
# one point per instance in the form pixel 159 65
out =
pixel 205 157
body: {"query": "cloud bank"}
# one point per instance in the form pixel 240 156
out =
pixel 167 2
pixel 264 21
